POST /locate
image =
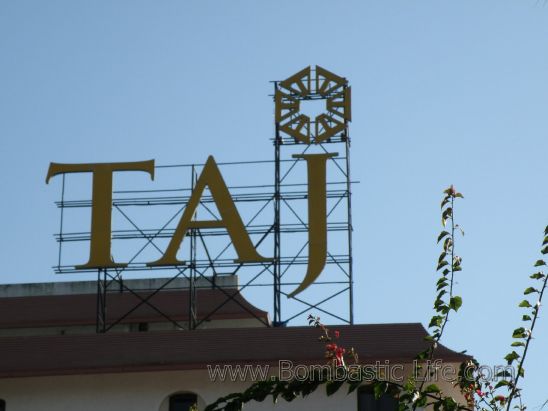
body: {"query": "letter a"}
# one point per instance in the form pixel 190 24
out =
pixel 230 219
pixel 317 217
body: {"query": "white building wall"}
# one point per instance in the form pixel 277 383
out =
pixel 147 391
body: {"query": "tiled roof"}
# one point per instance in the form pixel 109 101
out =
pixel 80 309
pixel 176 350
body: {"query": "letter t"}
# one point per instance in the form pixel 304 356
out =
pixel 101 204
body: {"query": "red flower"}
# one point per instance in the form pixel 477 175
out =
pixel 331 347
pixel 337 333
pixel 339 355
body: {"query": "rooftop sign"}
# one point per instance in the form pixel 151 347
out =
pixel 305 136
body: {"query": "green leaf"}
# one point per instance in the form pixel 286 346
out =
pixel 459 195
pixel 524 304
pixel 511 357
pixel 518 344
pixel 502 383
pixel 435 321
pixel 441 265
pixel 447 243
pixel 521 371
pixel 455 303
pixel 519 333
pixel 544 250
pixel 432 388
pixel 545 240
pixel 526 318
pixel 539 263
pixel 353 386
pixel 442 285
pixel 447 212
pixel 444 201
pixel 442 234
pixel 379 389
pixel 449 404
pixel 442 257
pixel 333 386
pixel 537 276
pixel 438 304
pixel 421 402
pixel 423 355
pixel 530 290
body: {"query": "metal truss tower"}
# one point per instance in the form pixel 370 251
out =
pixel 299 132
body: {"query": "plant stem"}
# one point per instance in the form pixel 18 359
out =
pixel 446 316
pixel 529 338
pixel 452 247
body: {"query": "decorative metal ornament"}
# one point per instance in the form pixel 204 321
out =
pixel 309 84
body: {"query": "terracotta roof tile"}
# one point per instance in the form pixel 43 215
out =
pixel 149 351
pixel 80 309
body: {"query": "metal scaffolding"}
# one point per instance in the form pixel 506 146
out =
pixel 274 216
pixel 298 133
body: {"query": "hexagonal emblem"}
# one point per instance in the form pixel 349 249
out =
pixel 309 84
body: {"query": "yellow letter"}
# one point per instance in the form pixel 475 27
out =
pixel 101 204
pixel 230 219
pixel 317 218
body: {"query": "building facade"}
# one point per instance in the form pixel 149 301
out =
pixel 52 359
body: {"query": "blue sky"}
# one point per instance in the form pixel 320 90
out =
pixel 443 93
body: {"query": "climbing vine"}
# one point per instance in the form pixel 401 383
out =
pixel 479 393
